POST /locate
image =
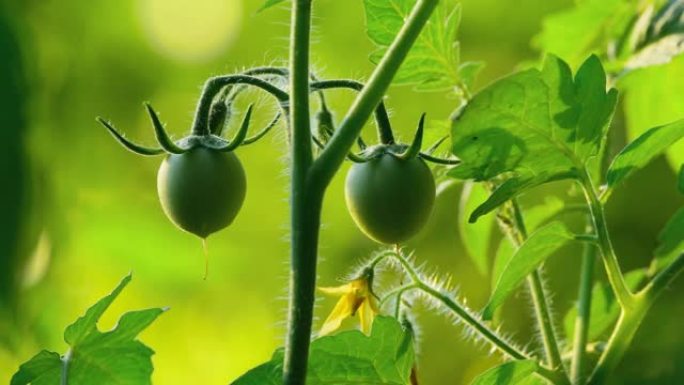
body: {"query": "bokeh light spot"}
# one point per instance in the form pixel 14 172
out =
pixel 191 30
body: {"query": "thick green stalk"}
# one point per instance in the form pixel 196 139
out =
pixel 583 314
pixel 305 204
pixel 539 299
pixel 332 157
pixel 309 180
pixel 622 336
pixel 615 276
pixel 631 318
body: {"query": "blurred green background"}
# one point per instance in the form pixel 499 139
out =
pixel 77 212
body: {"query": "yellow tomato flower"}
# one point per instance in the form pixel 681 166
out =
pixel 356 296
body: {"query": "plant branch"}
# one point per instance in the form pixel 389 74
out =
pixel 305 203
pixel 613 271
pixel 630 320
pixel 214 85
pixel 581 337
pixel 332 157
pixel 539 297
pixel 381 116
pixel 619 341
pixel 460 311
pixel 664 278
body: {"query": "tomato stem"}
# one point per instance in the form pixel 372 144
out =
pixel 539 298
pixel 305 203
pixel 584 299
pixel 613 271
pixel 214 85
pixel 310 179
pixel 381 116
pixel 631 318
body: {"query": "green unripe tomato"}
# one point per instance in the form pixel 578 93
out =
pixel 389 198
pixel 202 190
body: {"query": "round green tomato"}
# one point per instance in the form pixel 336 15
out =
pixel 389 198
pixel 202 190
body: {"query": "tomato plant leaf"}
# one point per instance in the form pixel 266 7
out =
pixel 509 373
pixel 641 151
pixel 268 4
pixel 652 99
pixel 605 309
pixel 534 127
pixel 535 217
pixel 434 60
pixel 531 254
pixel 512 187
pixel 476 237
pixel 384 357
pixel 670 241
pixel 114 357
pixel 586 28
pixel 45 368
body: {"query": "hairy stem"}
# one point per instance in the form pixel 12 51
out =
pixel 332 157
pixel 305 204
pixel 581 337
pixel 381 116
pixel 473 322
pixel 613 271
pixel 554 375
pixel 458 309
pixel 214 85
pixel 539 297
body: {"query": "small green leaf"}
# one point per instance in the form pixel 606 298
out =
pixel 45 368
pixel 503 255
pixel 680 183
pixel 512 187
pixel 476 237
pixel 670 241
pixel 534 127
pixel 384 357
pixel 114 357
pixel 604 307
pixel 86 324
pixel 652 98
pixel 509 373
pixel 269 4
pixel 433 62
pixel 641 151
pixel 531 254
pixel 535 217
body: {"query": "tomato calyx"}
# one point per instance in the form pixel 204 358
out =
pixel 192 141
